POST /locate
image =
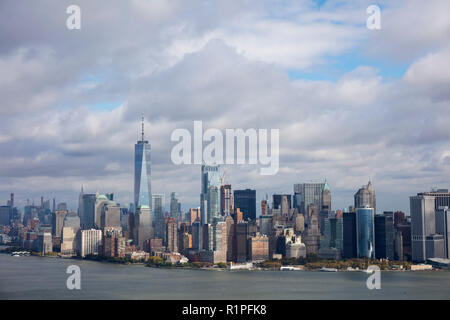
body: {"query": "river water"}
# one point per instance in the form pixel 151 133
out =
pixel 45 278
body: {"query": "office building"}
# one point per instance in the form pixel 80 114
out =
pixel 171 235
pixel 210 183
pixel 384 236
pixel 311 193
pixel 443 227
pixel 226 200
pixel 90 242
pixel 142 229
pixel 365 197
pixel 365 231
pixel 159 224
pixel 423 224
pixel 333 235
pixel 259 248
pixel 245 200
pixel 142 173
pixel 441 197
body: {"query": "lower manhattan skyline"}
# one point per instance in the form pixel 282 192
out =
pixel 224 158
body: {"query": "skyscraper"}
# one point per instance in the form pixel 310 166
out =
pixel 245 200
pixel 422 209
pixel 175 207
pixel 443 227
pixel 350 249
pixel 158 215
pixel 365 240
pixel 365 196
pixel 210 192
pixel 384 236
pixel 226 200
pixel 311 193
pixel 142 173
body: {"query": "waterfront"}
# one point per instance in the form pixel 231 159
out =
pixel 45 278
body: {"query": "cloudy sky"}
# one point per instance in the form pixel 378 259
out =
pixel 351 104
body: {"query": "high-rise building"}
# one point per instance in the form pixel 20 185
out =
pixel 90 241
pixel 45 244
pixel 210 189
pixel 220 242
pixel 326 197
pixel 142 173
pixel 443 227
pixel 159 225
pixel 57 222
pixel 423 224
pixel 333 235
pixel 441 197
pixel 310 193
pixel 88 211
pixel 384 236
pixel 5 215
pixel 172 235
pixel 226 200
pixel 282 201
pixel 259 248
pixel 365 232
pixel 143 226
pixel 241 235
pixel 365 197
pixel 175 207
pixel 312 233
pixel 194 215
pixel 231 244
pixel 245 200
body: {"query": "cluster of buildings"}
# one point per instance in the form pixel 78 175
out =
pixel 225 227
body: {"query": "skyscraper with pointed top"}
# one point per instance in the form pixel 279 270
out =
pixel 142 173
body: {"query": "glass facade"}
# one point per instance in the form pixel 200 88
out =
pixel 365 232
pixel 142 174
pixel 210 187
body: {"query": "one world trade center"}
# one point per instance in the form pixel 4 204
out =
pixel 142 173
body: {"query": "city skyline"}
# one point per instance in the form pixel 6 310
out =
pixel 352 104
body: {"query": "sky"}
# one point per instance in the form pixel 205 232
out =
pixel 351 104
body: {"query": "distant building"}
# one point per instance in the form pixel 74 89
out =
pixel 441 197
pixel 226 200
pixel 241 235
pixel 384 236
pixel 333 235
pixel 45 243
pixel 245 200
pixel 210 189
pixel 159 224
pixel 172 235
pixel 365 197
pixel 365 231
pixel 311 193
pixel 142 173
pixel 423 224
pixel 259 248
pixel 90 242
pixel 443 227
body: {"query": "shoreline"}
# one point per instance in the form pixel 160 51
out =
pixel 306 269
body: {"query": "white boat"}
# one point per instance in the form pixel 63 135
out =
pixel 328 269
pixel 290 268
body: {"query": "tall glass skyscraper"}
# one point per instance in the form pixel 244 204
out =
pixel 210 193
pixel 142 173
pixel 365 232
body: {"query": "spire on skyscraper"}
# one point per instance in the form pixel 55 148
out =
pixel 142 127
